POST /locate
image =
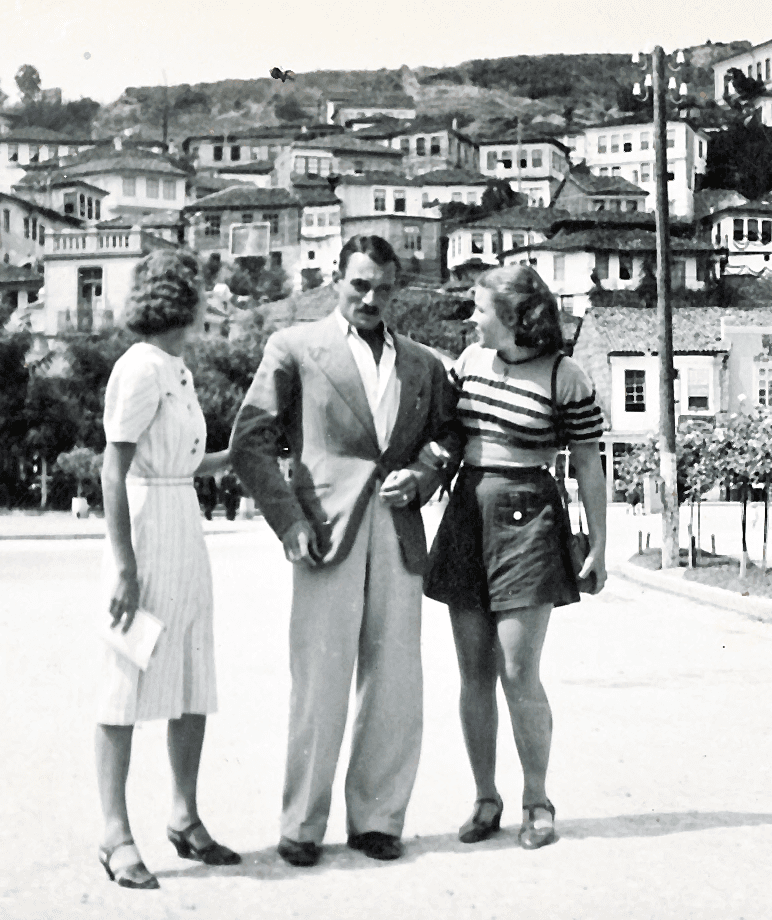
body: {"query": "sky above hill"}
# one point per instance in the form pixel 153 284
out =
pixel 97 48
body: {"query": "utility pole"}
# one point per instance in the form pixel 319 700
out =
pixel 667 440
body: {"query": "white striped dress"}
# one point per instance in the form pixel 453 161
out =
pixel 506 409
pixel 150 402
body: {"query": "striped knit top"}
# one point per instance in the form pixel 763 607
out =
pixel 506 409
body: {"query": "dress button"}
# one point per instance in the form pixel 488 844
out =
pixel 193 451
pixel 184 381
pixel 196 441
pixel 517 515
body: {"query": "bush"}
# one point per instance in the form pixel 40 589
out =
pixel 83 465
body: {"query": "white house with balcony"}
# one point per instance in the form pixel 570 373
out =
pixel 216 151
pixel 340 108
pixel 722 362
pixel 482 242
pixel 534 164
pixel 579 255
pixel 21 148
pixel 427 144
pixel 442 186
pixel 320 234
pixel 625 148
pixel 756 64
pixel 25 227
pixel 742 228
pixel 88 275
pixel 336 155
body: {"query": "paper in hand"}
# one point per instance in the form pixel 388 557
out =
pixel 138 642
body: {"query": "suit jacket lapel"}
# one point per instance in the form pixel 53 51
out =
pixel 333 356
pixel 410 371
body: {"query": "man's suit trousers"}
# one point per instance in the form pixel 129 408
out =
pixel 364 612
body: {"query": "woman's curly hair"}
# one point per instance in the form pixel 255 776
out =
pixel 525 304
pixel 165 292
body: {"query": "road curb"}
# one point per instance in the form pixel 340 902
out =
pixel 758 608
pixel 96 535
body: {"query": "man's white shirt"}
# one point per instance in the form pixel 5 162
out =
pixel 381 383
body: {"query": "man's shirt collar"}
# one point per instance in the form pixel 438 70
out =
pixel 348 329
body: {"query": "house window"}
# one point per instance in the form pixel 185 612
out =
pixel 26 228
pixel 615 143
pixel 635 177
pixel 424 198
pixel 435 147
pixel 217 153
pixel 559 266
pixel 632 205
pixel 765 384
pixel 523 163
pixel 616 170
pixel 313 166
pixel 627 143
pixel 6 220
pixel 170 189
pixel 404 145
pixel 495 247
pixel 273 220
pixel 399 201
pixel 518 239
pixel 359 167
pixel 235 153
pixel 491 160
pixel 625 266
pixel 34 226
pixel 13 153
pixel 739 229
pixel 420 146
pixel 645 172
pixel 456 196
pixel 758 70
pixel 635 391
pixel 766 232
pixel 700 148
pixel 321 220
pixel 601 264
pixel 333 219
pixel 536 159
pixel 300 165
pixel 308 220
pixel 678 274
pixel 42 235
pixel 275 260
pixel 768 70
pixel 311 255
pixel 247 217
pixel 379 199
pixel 698 389
pixel 753 230
pixel 555 159
pixel 601 143
pixel 70 202
pixel 90 208
pixel 97 209
pixel 34 153
pixel 324 166
pixel 212 225
pixel 478 242
pixel 506 160
pixel 412 239
pixel 129 190
pixel 603 171
pixel 151 188
pixel 82 201
pixel 471 197
pixel 670 176
pixel 671 138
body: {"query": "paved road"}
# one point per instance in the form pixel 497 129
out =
pixel 660 772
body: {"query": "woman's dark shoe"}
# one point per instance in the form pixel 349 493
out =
pixel 132 872
pixel 534 832
pixel 475 828
pixel 213 854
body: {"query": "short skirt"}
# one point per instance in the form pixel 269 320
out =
pixel 503 543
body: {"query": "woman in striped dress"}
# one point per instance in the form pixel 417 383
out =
pixel 157 561
pixel 500 558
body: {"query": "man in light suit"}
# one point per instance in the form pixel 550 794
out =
pixel 356 403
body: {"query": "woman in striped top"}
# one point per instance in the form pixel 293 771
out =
pixel 156 559
pixel 500 559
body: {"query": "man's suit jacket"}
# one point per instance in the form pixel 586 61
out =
pixel 308 395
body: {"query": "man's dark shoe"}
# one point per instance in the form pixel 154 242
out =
pixel 299 852
pixel 376 845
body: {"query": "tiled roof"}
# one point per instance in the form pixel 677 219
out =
pixel 520 219
pixel 635 120
pixel 254 166
pixel 377 177
pixel 40 136
pixel 634 330
pixel 12 274
pixel 617 240
pixel 603 185
pixel 154 219
pixel 110 160
pixel 345 143
pixel 452 177
pixel 394 127
pixel 644 219
pixel 45 212
pixel 315 195
pixel 245 196
pixel 43 180
pixel 540 134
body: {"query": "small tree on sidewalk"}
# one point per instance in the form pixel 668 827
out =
pixel 84 465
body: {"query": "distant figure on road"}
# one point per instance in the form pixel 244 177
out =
pixel 206 489
pixel 355 402
pixel 634 498
pixel 230 493
pixel 158 560
pixel 500 559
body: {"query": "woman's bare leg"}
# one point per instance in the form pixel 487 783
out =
pixel 113 755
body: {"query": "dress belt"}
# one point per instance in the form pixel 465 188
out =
pixel 159 480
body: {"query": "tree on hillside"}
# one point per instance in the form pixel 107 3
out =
pixel 288 108
pixel 28 82
pixel 74 118
pixel 740 158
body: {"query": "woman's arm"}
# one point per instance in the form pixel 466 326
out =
pixel 214 462
pixel 125 596
pixel 592 490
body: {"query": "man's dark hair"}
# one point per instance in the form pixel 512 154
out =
pixel 375 247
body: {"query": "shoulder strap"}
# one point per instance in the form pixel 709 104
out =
pixel 554 383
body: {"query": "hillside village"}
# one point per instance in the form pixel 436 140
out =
pixel 456 172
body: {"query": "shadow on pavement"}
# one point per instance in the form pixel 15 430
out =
pixel 266 865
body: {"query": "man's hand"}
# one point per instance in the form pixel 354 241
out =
pixel 594 564
pixel 399 488
pixel 300 543
pixel 125 600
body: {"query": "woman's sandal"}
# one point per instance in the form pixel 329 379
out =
pixel 213 854
pixel 532 837
pixel 475 830
pixel 133 874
